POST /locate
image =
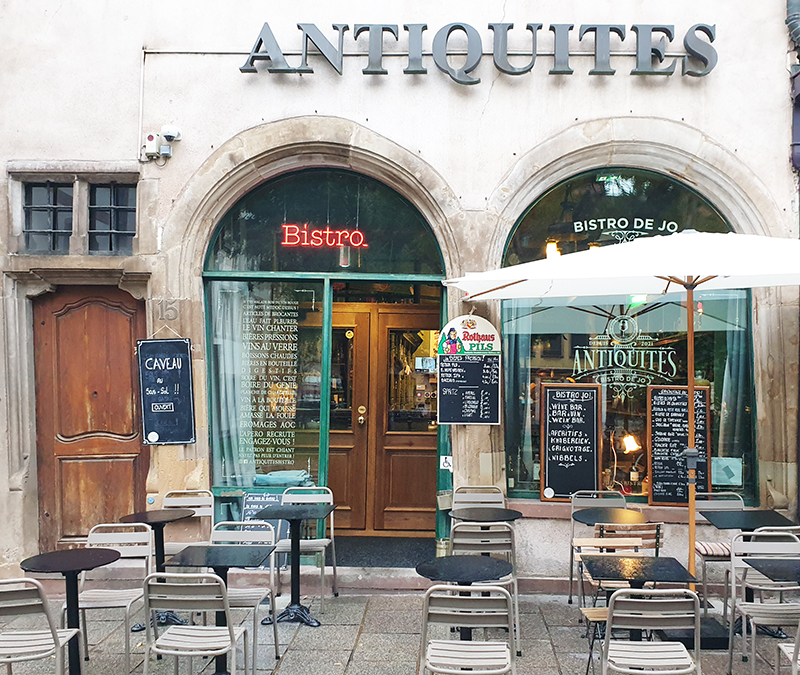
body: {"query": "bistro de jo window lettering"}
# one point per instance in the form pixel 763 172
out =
pixel 630 350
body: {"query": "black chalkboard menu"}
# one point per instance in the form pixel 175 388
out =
pixel 165 386
pixel 667 438
pixel 255 502
pixel 469 389
pixel 570 445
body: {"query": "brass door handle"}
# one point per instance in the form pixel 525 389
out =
pixel 361 420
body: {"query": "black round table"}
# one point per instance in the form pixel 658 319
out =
pixel 486 514
pixel 612 515
pixel 71 563
pixel 296 514
pixel 157 520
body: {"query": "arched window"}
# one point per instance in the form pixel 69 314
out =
pixel 569 340
pixel 325 220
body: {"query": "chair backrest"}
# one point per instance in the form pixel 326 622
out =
pixel 760 545
pixel 587 499
pixel 468 607
pixel 310 495
pixel 25 596
pixel 627 546
pixel 243 532
pixel 200 501
pixel 651 534
pixel 133 541
pixel 718 501
pixel 186 592
pixel 495 539
pixel 467 496
pixel 654 609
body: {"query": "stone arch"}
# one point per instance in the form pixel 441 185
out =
pixel 665 146
pixel 266 151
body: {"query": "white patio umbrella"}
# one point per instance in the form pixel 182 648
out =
pixel 650 265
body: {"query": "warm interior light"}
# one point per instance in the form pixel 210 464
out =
pixel 629 443
pixel 551 249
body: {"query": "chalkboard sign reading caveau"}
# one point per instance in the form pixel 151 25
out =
pixel 165 385
pixel 667 438
pixel 570 452
pixel 469 372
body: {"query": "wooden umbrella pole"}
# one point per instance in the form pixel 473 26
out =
pixel 692 472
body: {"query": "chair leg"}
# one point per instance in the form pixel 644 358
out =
pixel 571 570
pixel 85 632
pixel 705 585
pixel 176 666
pixel 333 560
pixel 321 562
pixel 515 600
pixel 127 627
pixel 731 622
pixel 753 650
pixel 254 658
pixel 274 627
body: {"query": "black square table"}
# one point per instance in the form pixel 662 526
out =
pixel 296 514
pixel 746 520
pixel 611 515
pixel 221 557
pixel 70 563
pixel 637 571
pixel 465 570
pixel 486 514
pixel 157 519
pixel 781 570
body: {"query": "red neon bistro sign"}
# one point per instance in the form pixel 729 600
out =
pixel 295 235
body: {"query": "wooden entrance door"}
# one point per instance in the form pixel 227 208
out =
pixel 383 437
pixel 91 463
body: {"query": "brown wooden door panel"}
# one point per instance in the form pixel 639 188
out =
pixel 83 486
pixel 347 458
pixel 405 462
pixel 91 463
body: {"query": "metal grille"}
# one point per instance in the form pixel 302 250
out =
pixel 48 217
pixel 112 219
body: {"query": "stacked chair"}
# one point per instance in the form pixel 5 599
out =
pixel 586 499
pixel 742 577
pixel 134 542
pixel 255 533
pixel 714 551
pixel 26 597
pixel 315 543
pixel 468 496
pixel 488 607
pixel 495 539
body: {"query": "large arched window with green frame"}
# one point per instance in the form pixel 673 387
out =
pixel 278 260
pixel 565 340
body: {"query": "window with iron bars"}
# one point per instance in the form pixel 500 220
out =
pixel 112 219
pixel 48 217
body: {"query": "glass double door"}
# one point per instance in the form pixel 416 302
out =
pixel 383 434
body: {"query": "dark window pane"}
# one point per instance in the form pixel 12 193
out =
pixel 125 195
pixel 64 196
pixel 38 220
pixel 37 242
pixel 101 195
pixel 100 242
pixel 61 243
pixel 39 195
pixel 64 221
pixel 100 220
pixel 126 221
pixel 123 244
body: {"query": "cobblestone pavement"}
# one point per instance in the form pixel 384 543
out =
pixel 377 634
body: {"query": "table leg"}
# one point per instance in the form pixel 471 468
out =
pixel 73 621
pixel 295 611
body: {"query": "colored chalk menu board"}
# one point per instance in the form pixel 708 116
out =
pixel 570 450
pixel 469 372
pixel 165 386
pixel 667 437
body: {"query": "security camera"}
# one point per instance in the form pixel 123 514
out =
pixel 170 133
